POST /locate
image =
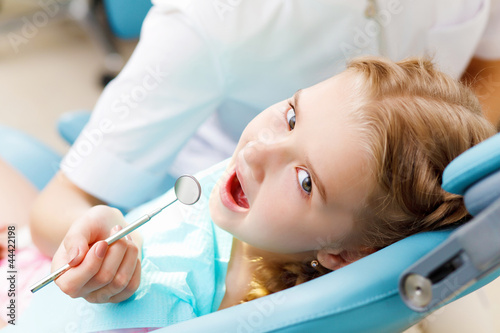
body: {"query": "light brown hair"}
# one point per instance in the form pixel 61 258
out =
pixel 414 121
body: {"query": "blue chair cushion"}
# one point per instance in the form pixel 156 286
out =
pixel 483 193
pixel 70 124
pixel 33 159
pixel 472 166
pixel 361 297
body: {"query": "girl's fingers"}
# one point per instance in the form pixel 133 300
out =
pixel 89 229
pixel 121 280
pixel 125 271
pixel 75 279
pixel 76 248
pixel 107 272
pixel 86 280
pixel 132 286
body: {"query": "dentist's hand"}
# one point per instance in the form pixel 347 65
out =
pixel 99 273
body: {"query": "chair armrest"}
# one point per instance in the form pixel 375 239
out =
pixel 34 160
pixel 71 123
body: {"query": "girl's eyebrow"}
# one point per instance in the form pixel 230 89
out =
pixel 316 179
pixel 296 97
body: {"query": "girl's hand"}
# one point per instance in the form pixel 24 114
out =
pixel 102 273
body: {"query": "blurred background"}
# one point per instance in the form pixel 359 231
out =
pixel 55 56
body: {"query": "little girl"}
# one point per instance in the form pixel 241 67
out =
pixel 338 171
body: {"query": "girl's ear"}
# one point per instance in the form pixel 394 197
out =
pixel 334 258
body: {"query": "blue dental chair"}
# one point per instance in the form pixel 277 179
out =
pixel 362 297
pixel 20 149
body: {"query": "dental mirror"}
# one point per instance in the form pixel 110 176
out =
pixel 187 190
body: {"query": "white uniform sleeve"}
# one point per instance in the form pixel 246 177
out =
pixel 489 46
pixel 168 88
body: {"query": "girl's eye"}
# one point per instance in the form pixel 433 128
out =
pixel 290 118
pixel 304 180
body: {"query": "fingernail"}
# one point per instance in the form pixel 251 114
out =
pixel 115 229
pixel 128 238
pixel 100 249
pixel 73 253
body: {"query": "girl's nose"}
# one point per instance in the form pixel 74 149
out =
pixel 264 157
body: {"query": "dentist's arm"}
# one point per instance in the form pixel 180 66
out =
pixel 56 208
pixel 168 88
pixel 483 71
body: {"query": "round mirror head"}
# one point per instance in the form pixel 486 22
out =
pixel 187 189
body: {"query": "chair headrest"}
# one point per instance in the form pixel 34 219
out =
pixel 476 175
pixel 472 166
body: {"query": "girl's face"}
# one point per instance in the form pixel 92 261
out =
pixel 298 173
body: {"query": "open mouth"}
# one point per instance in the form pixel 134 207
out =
pixel 237 192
